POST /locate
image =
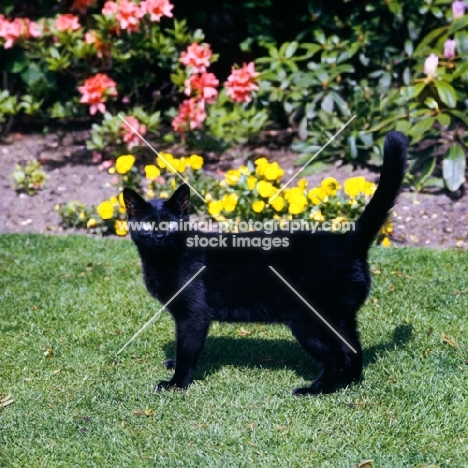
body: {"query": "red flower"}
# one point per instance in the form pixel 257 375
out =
pixel 204 84
pixel 197 57
pixel 241 83
pixel 82 5
pixel 191 115
pixel 19 28
pixel 157 9
pixel 95 90
pixel 67 22
pixel 130 137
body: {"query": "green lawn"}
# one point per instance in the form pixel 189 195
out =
pixel 68 304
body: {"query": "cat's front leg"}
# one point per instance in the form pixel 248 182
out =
pixel 190 338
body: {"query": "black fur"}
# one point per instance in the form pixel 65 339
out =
pixel 329 270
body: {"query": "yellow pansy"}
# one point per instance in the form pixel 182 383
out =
pixel 251 182
pixel 120 227
pixel 369 188
pixel 317 195
pixel 215 207
pixel 163 195
pixel 273 171
pixel 150 193
pixel 265 189
pixel 387 229
pixel 277 203
pixel 195 162
pixel 176 165
pixel 232 176
pixel 354 186
pixel 330 185
pixel 173 183
pixel 297 201
pixel 317 216
pixel 302 184
pixel 121 199
pixel 337 222
pixel 91 223
pixel 229 202
pixel 152 171
pixel 106 210
pixel 258 206
pixel 261 164
pixel 114 200
pixel 244 170
pixel 124 163
pixel 386 242
pixel 164 159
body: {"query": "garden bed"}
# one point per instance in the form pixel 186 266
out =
pixel 433 220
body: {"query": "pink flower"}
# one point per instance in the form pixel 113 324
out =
pixel 430 65
pixel 449 49
pixel 241 83
pixel 91 37
pixel 157 9
pixel 130 137
pixel 191 115
pixel 458 9
pixel 95 90
pixel 197 57
pixel 204 84
pixel 67 22
pixel 82 5
pixel 19 28
pixel 127 13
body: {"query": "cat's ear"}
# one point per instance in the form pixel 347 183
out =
pixel 134 204
pixel 180 200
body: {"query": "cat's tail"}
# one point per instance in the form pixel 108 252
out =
pixel 391 177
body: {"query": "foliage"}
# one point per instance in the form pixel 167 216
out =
pixel 29 178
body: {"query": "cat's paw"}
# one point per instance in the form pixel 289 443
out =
pixel 163 385
pixel 315 389
pixel 170 364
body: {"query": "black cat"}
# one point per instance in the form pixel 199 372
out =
pixel 329 270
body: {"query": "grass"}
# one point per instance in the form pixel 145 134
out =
pixel 68 304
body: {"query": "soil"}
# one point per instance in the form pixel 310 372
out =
pixel 432 220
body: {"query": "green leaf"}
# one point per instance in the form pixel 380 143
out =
pixel 461 40
pixel 459 114
pixel 420 128
pixel 444 119
pixel 447 93
pixel 453 167
pixel 459 23
pixel 427 169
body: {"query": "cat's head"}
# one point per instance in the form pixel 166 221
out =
pixel 155 224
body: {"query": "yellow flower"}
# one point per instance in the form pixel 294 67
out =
pixel 163 195
pixel 278 203
pixel 121 199
pixel 176 165
pixel 387 229
pixel 251 182
pixel 354 186
pixel 91 223
pixel 317 216
pixel 215 207
pixel 150 193
pixel 330 185
pixel 208 197
pixel 244 170
pixel 173 183
pixel 302 184
pixel 124 163
pixel 196 162
pixel 163 159
pixel 229 202
pixel 261 164
pixel 183 163
pixel 386 242
pixel 273 171
pixel 336 223
pixel 232 176
pixel 258 206
pixel 369 188
pixel 120 227
pixel 106 210
pixel 317 195
pixel 111 170
pixel 297 200
pixel 152 171
pixel 114 200
pixel 265 189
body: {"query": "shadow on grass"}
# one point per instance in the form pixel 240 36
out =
pixel 220 351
